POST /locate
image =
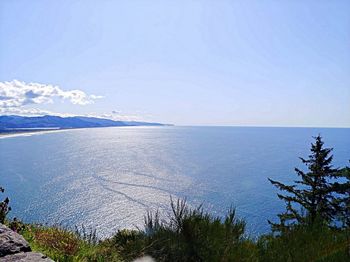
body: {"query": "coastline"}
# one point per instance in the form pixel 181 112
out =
pixel 27 132
pixel 30 132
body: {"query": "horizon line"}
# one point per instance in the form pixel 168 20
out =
pixel 189 125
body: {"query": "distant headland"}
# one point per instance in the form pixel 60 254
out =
pixel 14 123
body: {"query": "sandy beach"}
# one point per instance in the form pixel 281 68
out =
pixel 27 132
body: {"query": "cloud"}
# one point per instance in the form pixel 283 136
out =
pixel 29 112
pixel 20 98
pixel 21 111
pixel 119 116
pixel 16 94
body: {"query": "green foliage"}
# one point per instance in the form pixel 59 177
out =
pixel 187 235
pixel 61 244
pixel 313 197
pixel 342 203
pixel 192 235
pixel 16 225
pixel 315 242
pixel 4 207
pixel 129 244
pixel 87 235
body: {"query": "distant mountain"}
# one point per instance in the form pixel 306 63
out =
pixel 37 122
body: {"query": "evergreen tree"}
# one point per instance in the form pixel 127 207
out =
pixel 312 196
pixel 4 208
pixel 342 202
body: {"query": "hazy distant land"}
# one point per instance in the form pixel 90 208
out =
pixel 13 125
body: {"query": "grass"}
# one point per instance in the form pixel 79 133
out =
pixel 314 243
pixel 62 244
pixel 191 235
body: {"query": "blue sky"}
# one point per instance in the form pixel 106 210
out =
pixel 255 63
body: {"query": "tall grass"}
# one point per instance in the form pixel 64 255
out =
pixel 194 235
pixel 63 244
pixel 305 244
pixel 187 235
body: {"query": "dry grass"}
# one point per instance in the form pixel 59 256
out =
pixel 58 240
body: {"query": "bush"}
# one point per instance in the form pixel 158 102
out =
pixel 305 243
pixel 187 235
pixel 192 235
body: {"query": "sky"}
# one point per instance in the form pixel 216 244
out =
pixel 191 62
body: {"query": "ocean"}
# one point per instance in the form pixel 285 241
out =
pixel 108 178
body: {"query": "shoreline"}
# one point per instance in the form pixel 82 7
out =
pixel 27 132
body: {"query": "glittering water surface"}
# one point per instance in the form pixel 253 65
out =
pixel 109 177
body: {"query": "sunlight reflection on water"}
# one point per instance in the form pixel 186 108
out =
pixel 109 177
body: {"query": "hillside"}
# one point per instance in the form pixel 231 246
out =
pixel 20 122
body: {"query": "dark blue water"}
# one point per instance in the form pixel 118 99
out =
pixel 108 177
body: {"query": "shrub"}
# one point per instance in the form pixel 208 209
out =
pixel 305 243
pixel 187 235
pixel 17 225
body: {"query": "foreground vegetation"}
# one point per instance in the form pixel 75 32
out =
pixel 314 227
pixel 192 235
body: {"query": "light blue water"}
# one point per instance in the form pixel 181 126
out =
pixel 109 177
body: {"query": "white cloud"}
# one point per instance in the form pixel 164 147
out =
pixel 20 98
pixel 16 94
pixel 21 111
pixel 29 112
pixel 119 116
